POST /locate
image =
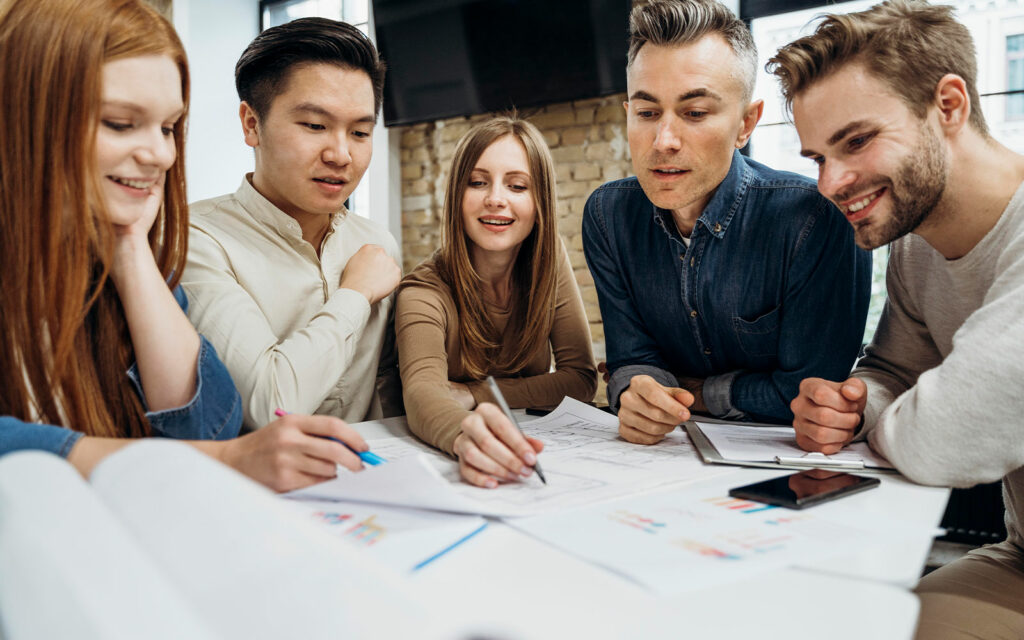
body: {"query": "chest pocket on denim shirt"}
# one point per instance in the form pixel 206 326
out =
pixel 759 338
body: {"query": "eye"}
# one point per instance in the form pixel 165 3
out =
pixel 818 160
pixel 520 188
pixel 646 114
pixel 361 134
pixel 313 126
pixel 167 131
pixel 696 115
pixel 859 141
pixel 477 183
pixel 116 126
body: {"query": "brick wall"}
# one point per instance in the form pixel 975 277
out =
pixel 587 139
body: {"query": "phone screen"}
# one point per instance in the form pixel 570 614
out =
pixel 804 489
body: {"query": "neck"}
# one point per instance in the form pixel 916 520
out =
pixel 686 217
pixel 495 271
pixel 313 225
pixel 984 175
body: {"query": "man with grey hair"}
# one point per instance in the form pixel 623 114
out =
pixel 718 277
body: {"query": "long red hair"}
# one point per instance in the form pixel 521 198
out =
pixel 65 345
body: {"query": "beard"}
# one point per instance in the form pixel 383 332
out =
pixel 915 190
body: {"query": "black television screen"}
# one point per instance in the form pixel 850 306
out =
pixel 450 58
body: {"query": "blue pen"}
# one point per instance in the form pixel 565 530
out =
pixel 366 456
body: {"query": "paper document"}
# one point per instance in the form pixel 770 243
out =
pixel 584 460
pixel 400 538
pixel 690 539
pixel 737 442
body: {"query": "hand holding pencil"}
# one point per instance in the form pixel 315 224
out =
pixel 491 448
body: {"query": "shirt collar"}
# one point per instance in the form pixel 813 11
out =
pixel 266 212
pixel 724 202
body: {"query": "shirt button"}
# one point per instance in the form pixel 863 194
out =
pixel 691 262
pixel 682 256
pixel 707 352
pixel 693 314
pixel 718 228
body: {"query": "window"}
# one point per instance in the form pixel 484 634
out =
pixel 354 12
pixel 1015 76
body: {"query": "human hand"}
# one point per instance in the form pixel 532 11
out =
pixel 649 411
pixel 462 395
pixel 491 449
pixel 371 272
pixel 827 414
pixel 294 451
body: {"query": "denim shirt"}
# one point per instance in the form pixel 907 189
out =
pixel 213 413
pixel 771 290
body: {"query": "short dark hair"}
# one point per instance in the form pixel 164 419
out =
pixel 681 22
pixel 262 71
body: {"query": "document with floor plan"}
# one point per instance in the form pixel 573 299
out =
pixel 584 461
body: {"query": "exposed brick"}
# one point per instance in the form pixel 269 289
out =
pixel 551 138
pixel 560 118
pixel 575 135
pixel 584 277
pixel 413 138
pixel 567 154
pixel 610 113
pixel 412 171
pixel 586 171
pixel 563 172
pixel 418 218
pixel 585 115
pixel 572 189
pixel 615 171
pixel 599 152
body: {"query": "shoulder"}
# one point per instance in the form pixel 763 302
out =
pixel 617 192
pixel 213 210
pixel 784 197
pixel 370 232
pixel 424 282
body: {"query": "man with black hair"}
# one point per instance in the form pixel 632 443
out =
pixel 292 289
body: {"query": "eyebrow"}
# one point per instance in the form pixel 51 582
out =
pixel 689 95
pixel 507 173
pixel 309 107
pixel 839 135
pixel 131 106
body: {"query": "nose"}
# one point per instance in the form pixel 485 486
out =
pixel 495 197
pixel 835 178
pixel 157 149
pixel 667 139
pixel 337 152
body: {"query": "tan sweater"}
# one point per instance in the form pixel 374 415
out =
pixel 427 329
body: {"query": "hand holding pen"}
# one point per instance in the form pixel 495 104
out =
pixel 492 449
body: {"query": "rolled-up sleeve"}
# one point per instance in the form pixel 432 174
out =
pixel 16 435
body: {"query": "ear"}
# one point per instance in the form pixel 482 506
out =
pixel 625 105
pixel 751 116
pixel 250 125
pixel 953 103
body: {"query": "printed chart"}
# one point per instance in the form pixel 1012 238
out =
pixel 683 540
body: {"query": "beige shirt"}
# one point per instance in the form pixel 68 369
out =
pixel 290 337
pixel 429 355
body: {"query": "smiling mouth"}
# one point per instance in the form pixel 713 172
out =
pixel 863 202
pixel 496 222
pixel 333 181
pixel 669 172
pixel 134 184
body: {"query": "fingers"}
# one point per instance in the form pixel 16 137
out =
pixel 321 442
pixel 825 416
pixel 495 435
pixel 631 434
pixel 328 427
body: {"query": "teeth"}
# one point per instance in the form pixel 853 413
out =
pixel 669 170
pixel 329 180
pixel 496 222
pixel 135 184
pixel 860 204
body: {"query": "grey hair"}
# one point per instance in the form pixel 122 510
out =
pixel 679 22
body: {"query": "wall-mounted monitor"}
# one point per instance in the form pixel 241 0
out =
pixel 450 58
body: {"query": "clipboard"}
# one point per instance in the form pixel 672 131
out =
pixel 710 455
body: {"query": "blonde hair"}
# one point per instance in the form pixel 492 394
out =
pixel 534 274
pixel 65 344
pixel 908 44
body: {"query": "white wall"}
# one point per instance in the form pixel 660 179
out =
pixel 215 33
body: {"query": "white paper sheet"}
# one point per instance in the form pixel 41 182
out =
pixel 584 461
pixel 762 444
pixel 690 539
pixel 400 538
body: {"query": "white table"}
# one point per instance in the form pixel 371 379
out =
pixel 508 583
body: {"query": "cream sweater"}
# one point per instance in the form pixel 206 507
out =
pixel 945 371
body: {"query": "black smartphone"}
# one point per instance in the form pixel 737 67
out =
pixel 804 489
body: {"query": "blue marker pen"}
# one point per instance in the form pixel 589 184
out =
pixel 366 456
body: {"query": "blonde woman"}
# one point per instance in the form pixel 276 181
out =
pixel 498 298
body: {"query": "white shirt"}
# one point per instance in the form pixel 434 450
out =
pixel 290 337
